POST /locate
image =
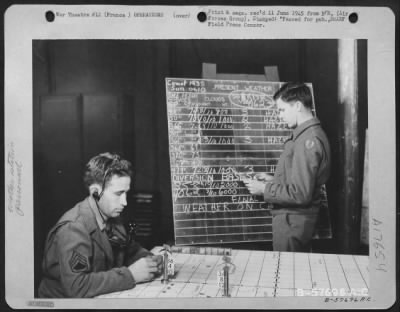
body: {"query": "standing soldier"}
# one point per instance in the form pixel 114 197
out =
pixel 303 167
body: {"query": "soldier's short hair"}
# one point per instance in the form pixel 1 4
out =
pixel 295 91
pixel 101 168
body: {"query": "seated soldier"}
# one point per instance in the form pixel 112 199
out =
pixel 88 251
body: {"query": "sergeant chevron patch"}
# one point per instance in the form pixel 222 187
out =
pixel 78 262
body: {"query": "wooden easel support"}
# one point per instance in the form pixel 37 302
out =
pixel 209 71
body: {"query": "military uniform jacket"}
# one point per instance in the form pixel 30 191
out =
pixel 79 260
pixel 302 169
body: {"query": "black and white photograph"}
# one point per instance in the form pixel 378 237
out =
pixel 207 168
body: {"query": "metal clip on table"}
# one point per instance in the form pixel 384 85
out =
pixel 166 255
pixel 228 265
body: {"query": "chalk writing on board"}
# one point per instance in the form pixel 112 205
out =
pixel 221 131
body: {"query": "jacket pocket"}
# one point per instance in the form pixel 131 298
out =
pixel 292 220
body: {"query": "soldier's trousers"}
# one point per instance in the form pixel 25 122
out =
pixel 293 232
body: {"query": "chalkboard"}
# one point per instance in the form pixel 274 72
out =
pixel 219 132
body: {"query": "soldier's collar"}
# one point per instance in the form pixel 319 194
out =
pixel 99 220
pixel 305 125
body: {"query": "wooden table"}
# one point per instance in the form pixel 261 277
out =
pixel 259 274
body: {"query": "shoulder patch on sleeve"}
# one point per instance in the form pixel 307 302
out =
pixel 310 143
pixel 78 262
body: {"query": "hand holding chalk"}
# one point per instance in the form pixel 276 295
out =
pixel 255 187
pixel 262 176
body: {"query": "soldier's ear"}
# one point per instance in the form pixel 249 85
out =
pixel 94 189
pixel 299 106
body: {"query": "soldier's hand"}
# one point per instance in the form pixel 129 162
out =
pixel 159 260
pixel 144 269
pixel 262 176
pixel 255 187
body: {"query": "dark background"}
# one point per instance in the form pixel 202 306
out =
pixel 92 96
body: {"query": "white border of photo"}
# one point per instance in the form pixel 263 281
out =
pixel 24 23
